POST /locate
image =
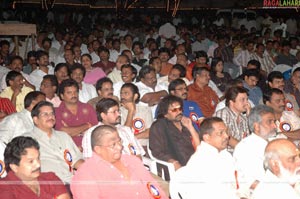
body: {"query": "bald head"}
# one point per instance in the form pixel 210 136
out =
pixel 99 132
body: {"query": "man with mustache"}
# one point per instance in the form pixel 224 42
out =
pixel 249 152
pixel 44 68
pixel 191 109
pixel 58 152
pixel 282 165
pixel 210 170
pixel 287 122
pixel 24 179
pixel 108 112
pixel 73 116
pixel 172 136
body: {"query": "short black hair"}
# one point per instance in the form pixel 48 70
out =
pixel 134 89
pixel 16 58
pixel 207 126
pixel 164 104
pixel 101 81
pixel 16 148
pixel 255 63
pixel 251 72
pixel 181 69
pixel 61 65
pixel 33 95
pixel 274 75
pixel 145 70
pixel 36 109
pixel 41 53
pixel 52 79
pixel 67 83
pixel 103 105
pixel 268 94
pixel 77 66
pixel 11 76
pixel 198 70
pixel 176 82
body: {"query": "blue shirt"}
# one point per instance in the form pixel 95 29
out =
pixel 255 94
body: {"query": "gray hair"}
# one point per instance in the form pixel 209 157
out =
pixel 270 155
pixel 256 115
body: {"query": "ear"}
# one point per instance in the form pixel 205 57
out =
pixel 103 115
pixel 13 167
pixel 61 96
pixel 97 150
pixel 256 127
pixel 172 92
pixel 206 137
pixel 35 120
pixel 273 164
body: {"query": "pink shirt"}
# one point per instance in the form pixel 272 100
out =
pixel 85 114
pixel 91 77
pixel 97 178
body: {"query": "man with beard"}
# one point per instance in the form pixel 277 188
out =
pixel 58 152
pixel 108 112
pixel 210 170
pixel 282 165
pixel 24 179
pixel 236 100
pixel 249 152
pixel 172 136
pixel 191 109
pixel 43 69
pixel 133 114
pixel 73 116
pixel 16 90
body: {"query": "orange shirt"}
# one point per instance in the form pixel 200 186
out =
pixel 206 98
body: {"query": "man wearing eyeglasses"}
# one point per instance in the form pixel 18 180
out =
pixel 111 174
pixel 58 152
pixel 172 136
pixel 108 112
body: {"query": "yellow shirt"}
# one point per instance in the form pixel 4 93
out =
pixel 8 92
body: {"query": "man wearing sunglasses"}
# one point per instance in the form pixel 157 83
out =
pixel 172 136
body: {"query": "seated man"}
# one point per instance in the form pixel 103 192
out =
pixel 19 123
pixel 115 74
pixel 108 112
pixel 58 152
pixel 251 77
pixel 121 175
pixel 282 171
pixel 73 116
pixel 191 109
pixel 210 170
pixel 292 85
pixel 249 152
pixel 150 91
pixel 104 87
pixel 236 100
pixel 172 136
pixel 15 90
pixel 86 91
pixel 6 108
pixel 49 86
pixel 201 93
pixel 24 179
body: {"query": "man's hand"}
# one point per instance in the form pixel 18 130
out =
pixel 130 106
pixel 187 122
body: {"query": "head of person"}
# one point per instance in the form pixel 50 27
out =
pixel 155 62
pixel 178 88
pixel 108 111
pixel 86 61
pixel 286 46
pixel 129 93
pixel 217 65
pixel 251 77
pixel 282 159
pixel 42 58
pixel 116 44
pixel 214 132
pixel 121 60
pixel 275 99
pixel 69 56
pixel 49 85
pixel 15 80
pixel 177 71
pixel 16 63
pixel 128 73
pixel 250 45
pixel 164 54
pixel 137 48
pixel 4 47
pixel 147 75
pixel 253 64
pixel 104 87
pixel 77 72
pixel 260 48
pixel 107 143
pixel 22 157
pixel 46 44
pixel 32 98
pixel 275 80
pixel 128 40
pixel 31 58
pixel 129 54
pixel 61 72
pixel 180 49
pixel 77 51
pixel 296 76
pixel 103 54
pixel 201 58
pixel 43 115
pixel 262 121
pixel 182 59
pixel 201 75
pixel 170 107
pixel 236 98
pixel 68 91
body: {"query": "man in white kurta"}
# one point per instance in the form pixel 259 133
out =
pixel 210 171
